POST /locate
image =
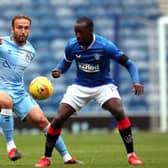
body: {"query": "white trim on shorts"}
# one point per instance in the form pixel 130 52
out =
pixel 78 96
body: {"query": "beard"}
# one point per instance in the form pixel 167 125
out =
pixel 20 40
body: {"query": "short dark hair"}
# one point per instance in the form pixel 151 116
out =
pixel 88 21
pixel 20 17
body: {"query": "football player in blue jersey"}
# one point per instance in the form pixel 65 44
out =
pixel 16 54
pixel 93 54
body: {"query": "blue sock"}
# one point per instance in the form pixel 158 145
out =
pixel 61 147
pixel 7 125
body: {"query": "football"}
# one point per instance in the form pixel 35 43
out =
pixel 41 88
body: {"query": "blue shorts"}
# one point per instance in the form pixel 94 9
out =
pixel 23 102
pixel 24 105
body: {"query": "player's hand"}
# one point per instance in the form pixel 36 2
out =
pixel 56 73
pixel 0 40
pixel 138 89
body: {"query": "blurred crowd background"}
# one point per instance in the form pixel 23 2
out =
pixel 131 24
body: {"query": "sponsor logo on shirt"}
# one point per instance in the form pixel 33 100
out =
pixel 89 68
pixel 97 56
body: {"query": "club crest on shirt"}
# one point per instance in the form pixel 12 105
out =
pixel 28 57
pixel 97 56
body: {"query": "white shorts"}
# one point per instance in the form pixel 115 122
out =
pixel 78 96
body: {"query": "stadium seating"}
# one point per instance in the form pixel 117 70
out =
pixel 53 24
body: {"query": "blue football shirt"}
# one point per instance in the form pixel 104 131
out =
pixel 14 60
pixel 93 63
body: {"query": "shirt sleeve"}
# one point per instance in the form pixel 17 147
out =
pixel 63 66
pixel 113 51
pixel 133 71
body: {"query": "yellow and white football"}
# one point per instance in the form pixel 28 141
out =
pixel 41 88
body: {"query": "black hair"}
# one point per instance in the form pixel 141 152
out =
pixel 88 21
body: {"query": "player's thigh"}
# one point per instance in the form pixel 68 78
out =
pixel 5 101
pixel 24 106
pixel 28 109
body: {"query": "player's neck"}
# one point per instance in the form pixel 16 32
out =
pixel 90 43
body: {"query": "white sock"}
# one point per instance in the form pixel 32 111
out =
pixel 129 154
pixel 10 145
pixel 67 157
pixel 49 158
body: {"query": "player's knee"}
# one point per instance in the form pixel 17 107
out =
pixel 119 115
pixel 118 112
pixel 41 123
pixel 5 101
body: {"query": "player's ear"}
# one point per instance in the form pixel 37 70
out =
pixel 0 40
pixel 11 29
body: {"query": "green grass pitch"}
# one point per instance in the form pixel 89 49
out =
pixel 97 150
